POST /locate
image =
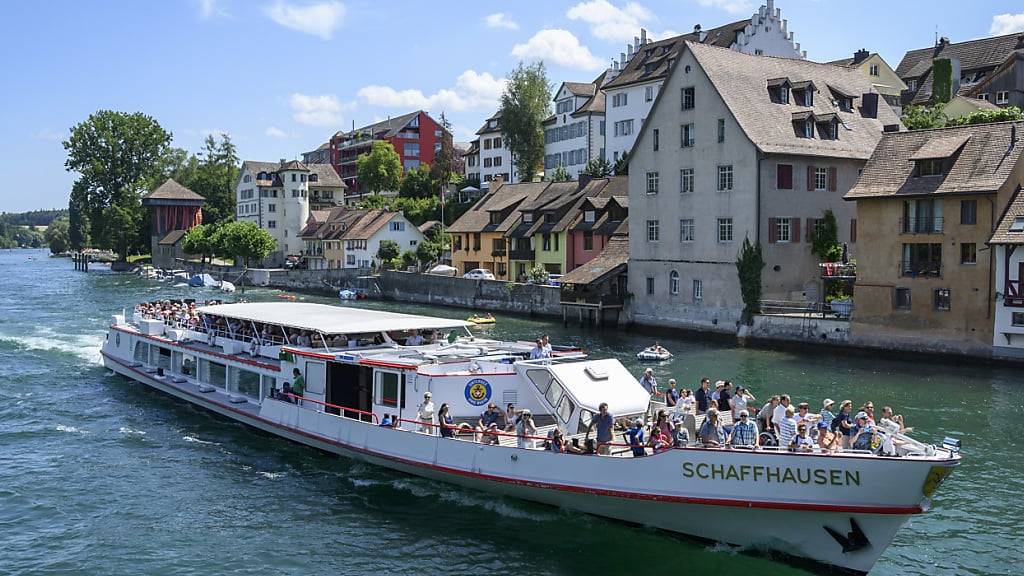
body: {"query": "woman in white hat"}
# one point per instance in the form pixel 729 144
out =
pixel 525 427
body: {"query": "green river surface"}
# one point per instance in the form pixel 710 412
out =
pixel 100 475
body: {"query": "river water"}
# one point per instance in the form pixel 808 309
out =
pixel 99 475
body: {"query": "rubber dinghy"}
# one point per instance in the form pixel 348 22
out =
pixel 653 355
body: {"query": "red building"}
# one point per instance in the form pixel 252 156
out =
pixel 416 137
pixel 175 211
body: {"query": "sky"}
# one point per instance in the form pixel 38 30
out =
pixel 281 76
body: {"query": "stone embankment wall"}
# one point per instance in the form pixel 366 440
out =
pixel 797 329
pixel 480 294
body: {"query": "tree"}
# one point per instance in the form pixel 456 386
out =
pixel 78 217
pixel 921 117
pixel 409 258
pixel 419 183
pixel 825 239
pixel 244 240
pixel 201 241
pixel 524 105
pixel 387 252
pixel 987 116
pixel 215 177
pixel 443 168
pixel 428 252
pixel 597 168
pixel 114 153
pixel 622 165
pixel 58 236
pixel 379 170
pixel 560 174
pixel 121 228
pixel 538 274
pixel 749 263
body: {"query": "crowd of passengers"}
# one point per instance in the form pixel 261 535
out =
pixel 173 312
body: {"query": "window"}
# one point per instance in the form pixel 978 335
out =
pixel 245 382
pixel 983 96
pixel 968 253
pixel 686 230
pixel 725 177
pixel 688 98
pixel 588 240
pixel 784 176
pixel 271 224
pixel 497 160
pixel 921 260
pixel 648 93
pixel 398 226
pixel 931 167
pixel 563 106
pixel 589 215
pixel 968 211
pixel 820 179
pixel 805 129
pixel 698 290
pixel 271 208
pixel 650 285
pixel 687 135
pixel 686 180
pixel 804 97
pixel 293 177
pixel 721 130
pixel 247 178
pixel 619 100
pixel 528 217
pixel 673 282
pixel 828 130
pixel 623 127
pixel 487 143
pixel 488 162
pixel 412 149
pixel 783 230
pixel 912 85
pixel 652 182
pixel 1018 319
pixel 213 373
pixel 497 142
pixel 655 138
pixel 388 389
pixel 1002 97
pixel 942 299
pixel 901 300
pixel 873 70
pixel 546 242
pixel 652 231
pixel 725 229
pixel 1017 225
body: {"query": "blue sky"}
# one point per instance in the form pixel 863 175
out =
pixel 281 76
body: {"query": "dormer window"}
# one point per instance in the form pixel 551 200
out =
pixel 589 216
pixel 313 178
pixel 930 167
pixel 828 126
pixel 1017 225
pixel 845 104
pixel 495 218
pixel 803 93
pixel 528 217
pixel 550 218
pixel 803 124
pixel 778 90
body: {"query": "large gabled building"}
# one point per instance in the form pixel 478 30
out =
pixel 970 64
pixel 494 155
pixel 574 134
pixel 877 70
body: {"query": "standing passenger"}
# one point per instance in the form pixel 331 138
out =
pixel 298 383
pixel 524 429
pixel 702 396
pixel 672 394
pixel 604 422
pixel 648 382
pixel 425 413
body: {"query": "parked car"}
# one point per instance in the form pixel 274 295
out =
pixel 479 274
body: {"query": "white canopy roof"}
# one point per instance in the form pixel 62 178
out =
pixel 615 385
pixel 328 319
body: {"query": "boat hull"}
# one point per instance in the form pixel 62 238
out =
pixel 794 529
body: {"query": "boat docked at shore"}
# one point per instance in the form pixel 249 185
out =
pixel 362 368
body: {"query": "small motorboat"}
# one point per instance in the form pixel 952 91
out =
pixel 481 319
pixel 226 286
pixel 348 295
pixel 201 280
pixel 653 354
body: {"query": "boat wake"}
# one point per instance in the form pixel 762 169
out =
pixel 84 346
pixel 195 440
pixel 271 475
pixel 130 432
pixel 70 429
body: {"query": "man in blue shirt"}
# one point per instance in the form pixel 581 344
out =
pixel 648 382
pixel 604 422
pixel 702 396
pixel 744 432
pixel 635 436
pixel 490 416
pixel 863 433
pixel 711 433
pixel 672 394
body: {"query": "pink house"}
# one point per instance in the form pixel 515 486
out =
pixel 600 216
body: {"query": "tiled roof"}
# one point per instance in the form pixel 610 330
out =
pixel 742 81
pixel 611 260
pixel 936 148
pixel 365 227
pixel 581 88
pixel 485 130
pixel 504 197
pixel 384 128
pixel 1015 58
pixel 171 190
pixel 326 176
pixel 980 53
pixel 293 165
pixel 982 165
pixel 594 105
pixel 1014 210
pixel 651 61
pixel 172 237
pixel 429 225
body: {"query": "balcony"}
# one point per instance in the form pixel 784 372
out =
pixel 498 252
pixel 521 254
pixel 838 270
pixel 920 268
pixel 930 225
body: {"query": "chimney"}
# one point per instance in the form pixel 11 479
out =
pixel 860 56
pixel 643 36
pixel 891 128
pixel 584 179
pixel 283 161
pixel 1020 42
pixel 869 105
pixel 629 50
pixel 942 43
pixel 622 58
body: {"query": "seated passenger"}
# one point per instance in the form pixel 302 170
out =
pixel 635 438
pixel 538 351
pixel 415 340
pixel 511 415
pixel 660 442
pixel 491 416
pixel 802 441
pixel 525 428
pixel 385 422
pixel 447 424
pixel 686 402
pixel 827 441
pixel 891 423
pixel 744 432
pixel 865 435
pixel 711 433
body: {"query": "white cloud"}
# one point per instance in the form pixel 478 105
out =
pixel 211 8
pixel 472 90
pixel 730 6
pixel 215 132
pixel 319 19
pixel 559 47
pixel 275 132
pixel 322 110
pixel 47 134
pixel 500 20
pixel 1006 24
pixel 609 22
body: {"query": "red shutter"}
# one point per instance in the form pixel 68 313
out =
pixel 784 177
pixel 810 178
pixel 853 230
pixel 810 227
pixel 832 177
pixel 794 232
pixel 772 231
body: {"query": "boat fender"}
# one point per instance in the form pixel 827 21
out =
pixel 206 388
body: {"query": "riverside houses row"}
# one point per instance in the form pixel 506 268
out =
pixel 557 225
pixel 928 202
pixel 743 147
pixel 343 237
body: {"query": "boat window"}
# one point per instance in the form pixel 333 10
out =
pixel 269 383
pixel 142 352
pixel 565 408
pixel 540 378
pixel 554 393
pixel 163 358
pixel 213 373
pixel 387 389
pixel 586 417
pixel 245 382
pixel 316 376
pixel 188 365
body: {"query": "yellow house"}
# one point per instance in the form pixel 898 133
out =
pixel 881 75
pixel 961 106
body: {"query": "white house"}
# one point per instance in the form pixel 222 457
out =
pixel 644 65
pixel 363 237
pixel 1008 329
pixel 277 196
pixel 574 134
pixel 495 157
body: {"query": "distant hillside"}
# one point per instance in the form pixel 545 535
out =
pixel 32 218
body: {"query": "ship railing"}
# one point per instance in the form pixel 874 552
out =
pixel 342 409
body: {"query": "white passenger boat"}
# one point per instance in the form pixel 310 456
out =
pixel 840 510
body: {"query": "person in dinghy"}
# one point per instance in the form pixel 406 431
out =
pixel 655 352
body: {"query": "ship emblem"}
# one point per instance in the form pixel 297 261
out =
pixel 478 391
pixel 935 477
pixel 851 542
